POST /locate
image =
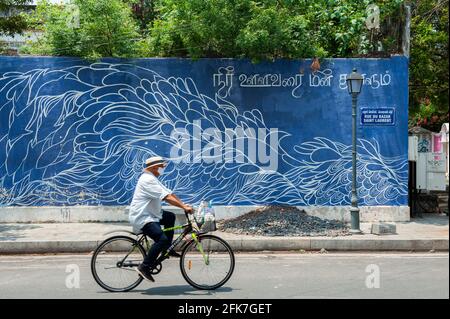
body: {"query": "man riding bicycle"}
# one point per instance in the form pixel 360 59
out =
pixel 147 216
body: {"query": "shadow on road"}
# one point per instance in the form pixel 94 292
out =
pixel 183 290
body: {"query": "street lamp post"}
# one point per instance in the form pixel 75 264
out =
pixel 354 85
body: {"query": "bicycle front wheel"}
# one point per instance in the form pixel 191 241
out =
pixel 208 263
pixel 114 263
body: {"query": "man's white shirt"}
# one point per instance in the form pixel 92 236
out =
pixel 145 206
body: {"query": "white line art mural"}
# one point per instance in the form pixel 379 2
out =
pixel 79 136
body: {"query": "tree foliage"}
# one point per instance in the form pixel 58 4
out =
pixel 11 21
pixel 87 28
pixel 429 67
pixel 144 11
pixel 264 29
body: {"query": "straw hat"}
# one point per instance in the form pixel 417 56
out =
pixel 154 160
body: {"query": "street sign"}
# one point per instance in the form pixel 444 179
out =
pixel 378 116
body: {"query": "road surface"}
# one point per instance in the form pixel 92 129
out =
pixel 258 275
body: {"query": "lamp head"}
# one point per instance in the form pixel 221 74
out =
pixel 354 82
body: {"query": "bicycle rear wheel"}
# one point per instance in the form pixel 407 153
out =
pixel 212 268
pixel 114 262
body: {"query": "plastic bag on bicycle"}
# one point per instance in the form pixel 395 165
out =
pixel 206 217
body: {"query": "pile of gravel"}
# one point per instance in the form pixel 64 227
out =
pixel 282 221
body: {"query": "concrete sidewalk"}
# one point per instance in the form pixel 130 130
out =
pixel 421 234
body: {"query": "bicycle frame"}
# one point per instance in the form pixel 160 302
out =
pixel 187 229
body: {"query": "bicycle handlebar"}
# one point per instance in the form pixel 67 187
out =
pixel 191 218
pixel 187 215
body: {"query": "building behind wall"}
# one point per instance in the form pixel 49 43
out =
pixel 12 44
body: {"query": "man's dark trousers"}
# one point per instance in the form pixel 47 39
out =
pixel 162 240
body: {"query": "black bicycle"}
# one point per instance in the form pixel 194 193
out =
pixel 207 261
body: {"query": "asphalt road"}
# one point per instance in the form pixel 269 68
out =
pixel 261 275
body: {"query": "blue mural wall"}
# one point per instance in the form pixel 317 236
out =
pixel 77 133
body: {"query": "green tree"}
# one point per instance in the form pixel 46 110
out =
pixel 86 28
pixel 11 21
pixel 198 28
pixel 277 33
pixel 264 29
pixel 429 67
pixel 144 11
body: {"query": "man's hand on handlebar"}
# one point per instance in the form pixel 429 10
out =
pixel 188 209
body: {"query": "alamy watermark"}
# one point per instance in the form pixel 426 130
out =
pixel 232 145
pixel 373 17
pixel 73 277
pixel 373 279
pixel 73 16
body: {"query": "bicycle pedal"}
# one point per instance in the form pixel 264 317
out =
pixel 156 270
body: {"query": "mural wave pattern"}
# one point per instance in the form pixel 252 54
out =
pixel 86 145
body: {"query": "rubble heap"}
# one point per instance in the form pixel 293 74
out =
pixel 282 221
